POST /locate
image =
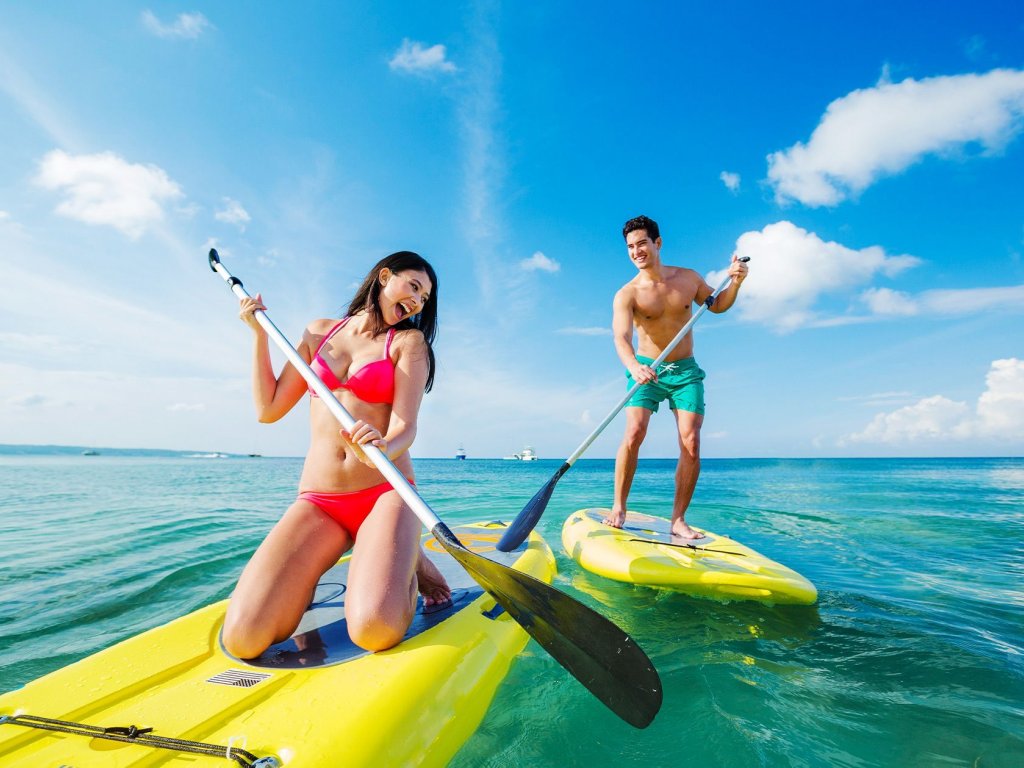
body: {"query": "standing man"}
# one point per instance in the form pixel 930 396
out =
pixel 658 302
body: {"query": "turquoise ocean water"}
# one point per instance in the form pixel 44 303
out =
pixel 914 655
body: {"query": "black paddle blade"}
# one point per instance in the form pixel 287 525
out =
pixel 594 651
pixel 526 520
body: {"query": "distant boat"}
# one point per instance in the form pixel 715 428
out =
pixel 526 454
pixel 255 456
pixel 214 455
pixel 90 452
pixel 461 453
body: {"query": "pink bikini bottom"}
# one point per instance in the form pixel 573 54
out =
pixel 348 510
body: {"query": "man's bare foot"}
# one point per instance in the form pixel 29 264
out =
pixel 431 583
pixel 615 518
pixel 681 530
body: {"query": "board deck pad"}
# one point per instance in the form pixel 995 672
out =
pixel 649 528
pixel 322 639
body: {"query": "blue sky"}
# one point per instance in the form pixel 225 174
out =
pixel 868 158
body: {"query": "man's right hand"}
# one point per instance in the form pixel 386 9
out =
pixel 642 374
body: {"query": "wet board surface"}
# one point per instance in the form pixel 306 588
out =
pixel 322 639
pixel 649 528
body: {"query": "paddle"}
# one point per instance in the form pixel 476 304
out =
pixel 595 651
pixel 525 521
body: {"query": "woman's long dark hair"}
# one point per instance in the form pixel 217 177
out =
pixel 368 298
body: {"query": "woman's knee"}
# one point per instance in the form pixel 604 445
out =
pixel 376 633
pixel 245 637
pixel 376 622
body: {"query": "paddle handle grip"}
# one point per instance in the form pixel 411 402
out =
pixel 405 489
pixel 658 361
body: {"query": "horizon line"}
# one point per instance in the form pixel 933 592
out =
pixel 233 454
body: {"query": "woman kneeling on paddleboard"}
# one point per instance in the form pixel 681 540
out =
pixel 378 361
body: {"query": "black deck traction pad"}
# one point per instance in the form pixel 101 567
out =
pixel 330 644
pixel 322 639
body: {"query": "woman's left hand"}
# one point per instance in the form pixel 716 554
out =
pixel 364 434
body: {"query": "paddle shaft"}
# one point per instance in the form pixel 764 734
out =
pixel 657 361
pixel 419 507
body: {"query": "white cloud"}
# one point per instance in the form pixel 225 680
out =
pixel 927 420
pixel 885 301
pixel 106 189
pixel 4 215
pixel 188 26
pixel 28 401
pixel 791 269
pixel 233 213
pixel 962 301
pixel 731 180
pixel 484 169
pixel 413 57
pixel 35 343
pixel 185 407
pixel 587 331
pixel 794 273
pixel 879 399
pixel 969 300
pixel 540 262
pixel 188 211
pixel 33 103
pixel 975 47
pixel 998 415
pixel 1000 411
pixel 880 131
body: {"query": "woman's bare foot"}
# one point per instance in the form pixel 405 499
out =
pixel 616 518
pixel 681 530
pixel 431 583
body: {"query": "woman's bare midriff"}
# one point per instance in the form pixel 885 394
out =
pixel 331 465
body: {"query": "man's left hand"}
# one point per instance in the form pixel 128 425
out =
pixel 738 270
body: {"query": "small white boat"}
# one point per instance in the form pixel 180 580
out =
pixel 526 454
pixel 460 453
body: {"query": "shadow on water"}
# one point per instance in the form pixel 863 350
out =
pixel 667 616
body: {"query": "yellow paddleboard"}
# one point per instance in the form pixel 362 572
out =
pixel 313 700
pixel 644 552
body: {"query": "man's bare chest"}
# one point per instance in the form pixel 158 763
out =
pixel 654 302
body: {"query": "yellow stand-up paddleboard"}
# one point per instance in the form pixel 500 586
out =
pixel 644 552
pixel 314 700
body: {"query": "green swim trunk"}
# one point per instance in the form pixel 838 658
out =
pixel 681 382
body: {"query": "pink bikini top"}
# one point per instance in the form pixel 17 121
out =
pixel 373 383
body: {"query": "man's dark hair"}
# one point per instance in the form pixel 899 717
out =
pixel 641 222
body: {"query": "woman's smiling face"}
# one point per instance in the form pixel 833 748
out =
pixel 404 294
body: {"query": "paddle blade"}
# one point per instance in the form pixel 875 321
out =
pixel 594 651
pixel 526 520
